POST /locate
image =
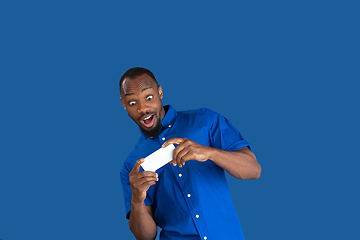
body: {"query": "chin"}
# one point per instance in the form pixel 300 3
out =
pixel 154 131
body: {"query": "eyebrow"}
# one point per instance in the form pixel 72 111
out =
pixel 141 91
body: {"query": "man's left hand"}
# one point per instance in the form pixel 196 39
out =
pixel 188 150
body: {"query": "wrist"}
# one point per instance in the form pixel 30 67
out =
pixel 137 203
pixel 213 154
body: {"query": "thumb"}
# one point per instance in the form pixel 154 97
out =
pixel 136 167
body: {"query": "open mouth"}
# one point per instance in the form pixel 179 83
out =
pixel 148 121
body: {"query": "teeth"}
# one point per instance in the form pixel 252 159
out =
pixel 147 117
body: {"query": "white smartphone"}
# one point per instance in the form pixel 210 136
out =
pixel 158 158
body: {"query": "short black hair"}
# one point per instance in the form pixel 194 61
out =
pixel 135 72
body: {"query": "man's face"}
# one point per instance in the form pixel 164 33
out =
pixel 141 98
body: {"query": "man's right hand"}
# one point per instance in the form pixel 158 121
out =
pixel 140 182
pixel 141 219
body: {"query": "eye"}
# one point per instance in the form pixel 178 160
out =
pixel 149 97
pixel 132 103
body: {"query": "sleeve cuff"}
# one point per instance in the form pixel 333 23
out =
pixel 237 145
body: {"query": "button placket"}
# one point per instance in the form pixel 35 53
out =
pixel 191 201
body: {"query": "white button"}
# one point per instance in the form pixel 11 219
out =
pixel 180 175
pixel 169 125
pixel 205 238
pixel 163 139
pixel 197 216
pixel 189 195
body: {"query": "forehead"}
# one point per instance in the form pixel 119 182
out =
pixel 136 85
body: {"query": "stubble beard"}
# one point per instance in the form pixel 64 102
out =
pixel 154 132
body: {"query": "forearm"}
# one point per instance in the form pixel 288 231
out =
pixel 241 164
pixel 141 222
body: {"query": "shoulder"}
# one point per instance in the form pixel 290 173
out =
pixel 201 117
pixel 131 158
pixel 200 112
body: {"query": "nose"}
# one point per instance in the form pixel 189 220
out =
pixel 142 107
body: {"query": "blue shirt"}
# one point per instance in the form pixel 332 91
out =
pixel 192 202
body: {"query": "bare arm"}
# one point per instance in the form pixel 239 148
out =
pixel 240 164
pixel 141 220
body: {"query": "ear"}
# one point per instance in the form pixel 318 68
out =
pixel 160 92
pixel 122 103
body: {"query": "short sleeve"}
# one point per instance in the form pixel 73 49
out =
pixel 124 177
pixel 223 134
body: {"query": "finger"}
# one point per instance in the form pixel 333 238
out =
pixel 146 185
pixel 146 174
pixel 177 154
pixel 186 157
pixel 139 180
pixel 136 167
pixel 183 157
pixel 148 179
pixel 174 141
pixel 174 163
pixel 181 150
pixel 143 177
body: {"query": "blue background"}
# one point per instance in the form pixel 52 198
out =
pixel 285 73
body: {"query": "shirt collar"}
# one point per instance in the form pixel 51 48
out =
pixel 169 117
